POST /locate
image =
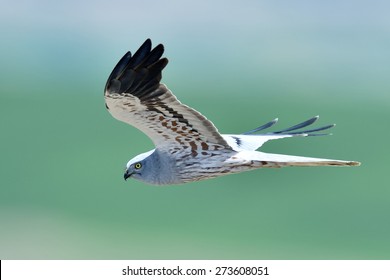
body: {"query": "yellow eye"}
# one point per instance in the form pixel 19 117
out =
pixel 138 165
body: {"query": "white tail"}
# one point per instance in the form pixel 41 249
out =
pixel 276 160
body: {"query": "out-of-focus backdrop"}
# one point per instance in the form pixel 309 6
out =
pixel 241 63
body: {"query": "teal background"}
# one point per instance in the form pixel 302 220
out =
pixel 241 63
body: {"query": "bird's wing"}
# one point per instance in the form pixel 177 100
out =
pixel 250 140
pixel 134 95
pixel 240 142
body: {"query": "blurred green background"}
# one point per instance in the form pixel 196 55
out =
pixel 241 63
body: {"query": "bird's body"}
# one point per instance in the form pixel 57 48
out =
pixel 188 146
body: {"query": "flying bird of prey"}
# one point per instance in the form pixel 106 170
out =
pixel 188 145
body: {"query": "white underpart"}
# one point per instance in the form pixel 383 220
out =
pixel 139 158
pixel 250 142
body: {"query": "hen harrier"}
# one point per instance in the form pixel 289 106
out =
pixel 188 146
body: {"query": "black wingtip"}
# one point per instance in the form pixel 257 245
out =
pixel 140 54
pixel 262 127
pixel 293 130
pixel 298 126
pixel 139 74
pixel 119 68
pixel 147 43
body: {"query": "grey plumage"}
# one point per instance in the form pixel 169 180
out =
pixel 188 145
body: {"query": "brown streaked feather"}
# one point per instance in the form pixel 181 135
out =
pixel 135 96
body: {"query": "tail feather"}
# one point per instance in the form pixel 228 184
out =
pixel 277 160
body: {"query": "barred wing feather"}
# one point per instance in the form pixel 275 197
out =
pixel 134 95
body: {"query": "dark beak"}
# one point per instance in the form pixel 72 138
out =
pixel 127 175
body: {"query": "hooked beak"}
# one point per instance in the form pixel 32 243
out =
pixel 127 175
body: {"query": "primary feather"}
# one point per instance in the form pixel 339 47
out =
pixel 250 141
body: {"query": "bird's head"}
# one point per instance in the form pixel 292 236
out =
pixel 137 165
